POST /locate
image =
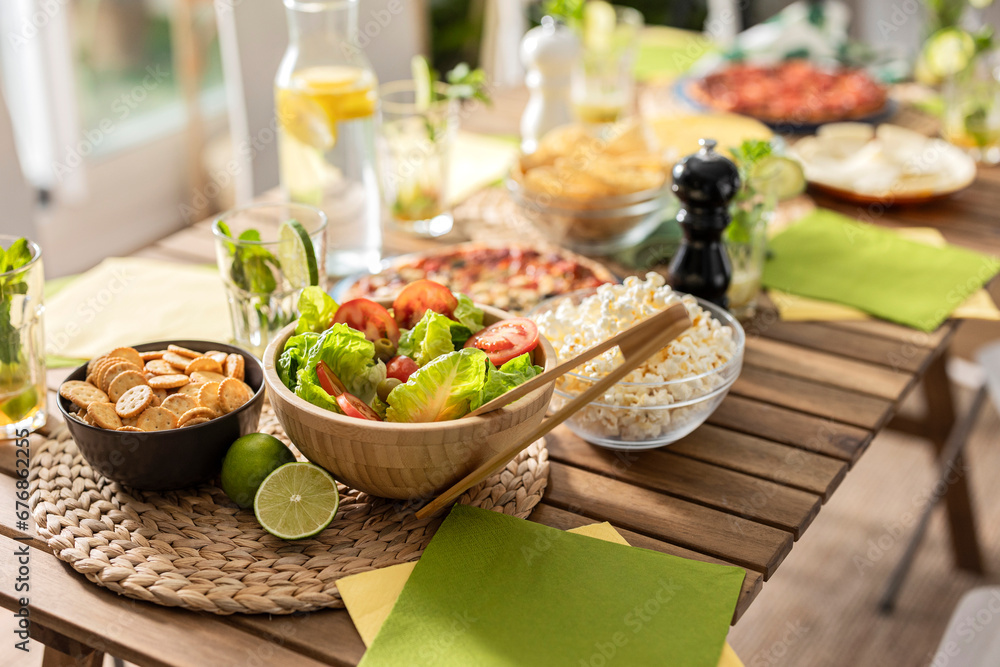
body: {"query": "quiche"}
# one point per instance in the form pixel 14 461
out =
pixel 510 277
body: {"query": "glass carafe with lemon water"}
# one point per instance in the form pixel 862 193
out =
pixel 326 104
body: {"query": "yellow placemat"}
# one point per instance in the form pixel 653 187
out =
pixel 477 160
pixel 795 308
pixel 369 596
pixel 128 301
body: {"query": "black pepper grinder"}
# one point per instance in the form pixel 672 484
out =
pixel 705 182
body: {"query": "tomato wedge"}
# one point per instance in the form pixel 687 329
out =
pixel 506 339
pixel 330 383
pixel 420 296
pixel 355 407
pixel 368 317
pixel 401 368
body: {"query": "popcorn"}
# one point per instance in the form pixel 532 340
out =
pixel 637 411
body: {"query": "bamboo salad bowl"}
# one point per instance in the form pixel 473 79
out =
pixel 396 460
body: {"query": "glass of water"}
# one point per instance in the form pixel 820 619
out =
pixel 267 253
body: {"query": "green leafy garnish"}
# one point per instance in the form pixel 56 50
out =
pixel 346 351
pixel 469 314
pixel 14 370
pixel 316 310
pixel 745 218
pixel 499 381
pixel 465 83
pixel 443 389
pixel 432 336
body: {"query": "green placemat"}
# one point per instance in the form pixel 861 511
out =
pixel 832 257
pixel 492 590
pixel 666 52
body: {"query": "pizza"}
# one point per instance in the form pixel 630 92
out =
pixel 795 91
pixel 510 277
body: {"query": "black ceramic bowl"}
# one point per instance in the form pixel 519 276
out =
pixel 174 459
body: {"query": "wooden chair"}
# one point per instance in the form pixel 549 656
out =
pixel 253 36
pixel 950 456
pixel 972 638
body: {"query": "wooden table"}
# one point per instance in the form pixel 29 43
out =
pixel 742 489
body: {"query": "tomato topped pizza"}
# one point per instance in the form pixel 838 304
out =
pixel 512 278
pixel 795 91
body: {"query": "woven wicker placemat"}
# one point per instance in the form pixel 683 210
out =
pixel 196 549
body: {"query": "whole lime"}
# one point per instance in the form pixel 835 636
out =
pixel 249 460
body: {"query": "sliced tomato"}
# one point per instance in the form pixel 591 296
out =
pixel 355 407
pixel 368 317
pixel 506 339
pixel 401 368
pixel 330 383
pixel 420 296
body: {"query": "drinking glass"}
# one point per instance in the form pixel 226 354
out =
pixel 602 82
pixel 415 143
pixel 22 345
pixel 263 273
pixel 972 109
pixel 746 245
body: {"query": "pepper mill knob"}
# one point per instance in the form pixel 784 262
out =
pixel 705 182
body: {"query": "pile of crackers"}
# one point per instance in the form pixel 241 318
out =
pixel 128 390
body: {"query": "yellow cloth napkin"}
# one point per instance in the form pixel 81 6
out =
pixel 128 301
pixel 477 160
pixel 369 596
pixel 795 308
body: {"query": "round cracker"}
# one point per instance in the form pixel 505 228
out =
pixel 160 367
pixel 208 396
pixel 151 355
pixel 191 389
pixel 156 419
pixel 218 356
pixel 123 382
pixel 232 394
pixel 129 428
pixel 134 401
pixel 179 403
pixel 81 394
pixel 104 415
pixel 93 363
pixel 194 413
pixel 159 395
pixel 195 421
pixel 235 366
pixel 129 354
pixel 169 381
pixel 111 371
pixel 203 364
pixel 207 376
pixel 183 351
pixel 128 421
pixel 178 361
pixel 94 374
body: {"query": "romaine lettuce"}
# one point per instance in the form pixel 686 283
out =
pixel 294 356
pixel 347 352
pixel 441 390
pixel 469 314
pixel 430 338
pixel 316 310
pixel 499 381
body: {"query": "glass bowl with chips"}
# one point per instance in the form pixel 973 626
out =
pixel 595 191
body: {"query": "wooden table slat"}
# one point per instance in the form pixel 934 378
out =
pixel 894 332
pixel 805 396
pixel 702 529
pixel 732 492
pixel 563 520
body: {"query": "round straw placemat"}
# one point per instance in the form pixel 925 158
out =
pixel 196 549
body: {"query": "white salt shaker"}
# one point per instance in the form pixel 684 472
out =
pixel 548 53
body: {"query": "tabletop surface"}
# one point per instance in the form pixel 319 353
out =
pixel 741 489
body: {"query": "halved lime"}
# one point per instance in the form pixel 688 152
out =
pixel 296 501
pixel 780 176
pixel 423 81
pixel 297 255
pixel 948 51
pixel 248 461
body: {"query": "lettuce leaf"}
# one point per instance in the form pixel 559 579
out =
pixel 316 310
pixel 294 356
pixel 499 381
pixel 351 357
pixel 429 339
pixel 441 390
pixel 469 314
pixel 310 390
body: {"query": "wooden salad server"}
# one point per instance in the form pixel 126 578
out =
pixel 638 343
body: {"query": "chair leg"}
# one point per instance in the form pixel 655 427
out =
pixel 950 463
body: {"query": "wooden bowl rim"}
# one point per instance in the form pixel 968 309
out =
pixel 276 386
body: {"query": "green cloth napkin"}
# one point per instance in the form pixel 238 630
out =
pixel 832 257
pixel 493 590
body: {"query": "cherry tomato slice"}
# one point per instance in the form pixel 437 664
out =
pixel 420 296
pixel 504 340
pixel 355 407
pixel 369 318
pixel 401 368
pixel 330 383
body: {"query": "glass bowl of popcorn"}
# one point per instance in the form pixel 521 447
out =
pixel 665 398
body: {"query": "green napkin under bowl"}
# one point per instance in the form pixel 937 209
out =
pixel 835 258
pixel 492 590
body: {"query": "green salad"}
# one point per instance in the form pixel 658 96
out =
pixel 429 358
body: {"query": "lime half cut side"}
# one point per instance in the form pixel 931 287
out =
pixel 780 176
pixel 297 255
pixel 948 51
pixel 296 501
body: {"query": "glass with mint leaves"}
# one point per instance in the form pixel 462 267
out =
pixel 22 338
pixel 267 254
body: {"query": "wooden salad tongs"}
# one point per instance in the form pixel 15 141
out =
pixel 637 344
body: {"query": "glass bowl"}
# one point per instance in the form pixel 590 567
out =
pixel 594 226
pixel 637 415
